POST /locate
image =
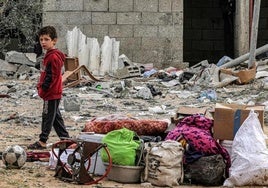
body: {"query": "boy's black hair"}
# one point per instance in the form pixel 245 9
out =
pixel 48 30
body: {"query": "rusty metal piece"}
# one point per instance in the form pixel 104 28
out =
pixel 76 169
pixel 4 96
pixel 67 77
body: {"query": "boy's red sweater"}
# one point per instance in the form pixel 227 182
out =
pixel 50 83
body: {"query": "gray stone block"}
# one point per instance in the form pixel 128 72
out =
pixel 138 24
pixel 103 18
pixel 129 18
pixel 145 56
pixel 145 31
pixel 93 5
pixel 177 5
pixel 7 67
pixel 96 30
pixel 155 43
pixel 121 30
pixel 153 18
pixel 63 5
pixel 55 18
pixel 146 6
pixel 18 58
pixel 120 5
pixel 177 43
pixel 71 104
pixel 79 17
pixel 177 18
pixel 170 31
pixel 127 52
pixel 165 5
pixel 129 43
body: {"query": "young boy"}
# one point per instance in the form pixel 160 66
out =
pixel 50 87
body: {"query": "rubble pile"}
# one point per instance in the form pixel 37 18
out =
pixel 150 93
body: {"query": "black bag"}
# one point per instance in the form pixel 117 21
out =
pixel 207 170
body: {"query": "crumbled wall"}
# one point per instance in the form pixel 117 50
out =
pixel 149 31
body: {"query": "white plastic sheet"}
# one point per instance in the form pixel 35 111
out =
pixel 99 60
pixel 106 56
pixel 249 155
pixel 94 64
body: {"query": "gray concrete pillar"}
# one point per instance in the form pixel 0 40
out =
pixel 241 33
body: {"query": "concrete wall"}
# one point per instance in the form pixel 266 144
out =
pixel 149 31
pixel 203 31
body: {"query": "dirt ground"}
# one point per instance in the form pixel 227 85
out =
pixel 20 124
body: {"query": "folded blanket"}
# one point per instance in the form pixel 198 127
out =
pixel 106 124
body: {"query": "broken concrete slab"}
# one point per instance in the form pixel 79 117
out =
pixel 71 104
pixel 261 74
pixel 8 67
pixel 25 72
pixel 18 58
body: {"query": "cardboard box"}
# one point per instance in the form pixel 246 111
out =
pixel 229 117
pixel 185 111
pixel 71 64
pixel 244 76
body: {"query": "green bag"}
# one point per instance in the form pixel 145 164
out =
pixel 122 145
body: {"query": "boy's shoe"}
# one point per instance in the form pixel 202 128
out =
pixel 36 145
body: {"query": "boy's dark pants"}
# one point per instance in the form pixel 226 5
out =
pixel 51 117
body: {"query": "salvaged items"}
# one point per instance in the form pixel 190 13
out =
pixel 229 117
pixel 76 168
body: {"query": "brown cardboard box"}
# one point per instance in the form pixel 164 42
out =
pixel 184 111
pixel 71 64
pixel 244 76
pixel 225 126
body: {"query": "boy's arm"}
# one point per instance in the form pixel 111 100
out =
pixel 48 77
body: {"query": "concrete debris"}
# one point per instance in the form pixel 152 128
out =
pixel 144 93
pixel 71 104
pixel 20 58
pixel 123 61
pixel 157 97
pixel 7 67
pixel 171 87
pixel 25 72
pixel 158 109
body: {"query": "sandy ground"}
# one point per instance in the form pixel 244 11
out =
pixel 20 124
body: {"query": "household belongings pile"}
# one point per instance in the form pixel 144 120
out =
pixel 187 154
pixel 190 145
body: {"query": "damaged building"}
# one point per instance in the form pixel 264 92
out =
pixel 162 72
pixel 163 32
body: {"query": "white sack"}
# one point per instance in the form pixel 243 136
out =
pixel 249 155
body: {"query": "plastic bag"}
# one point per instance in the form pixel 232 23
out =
pixel 249 155
pixel 123 145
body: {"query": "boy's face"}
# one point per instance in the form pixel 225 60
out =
pixel 46 42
